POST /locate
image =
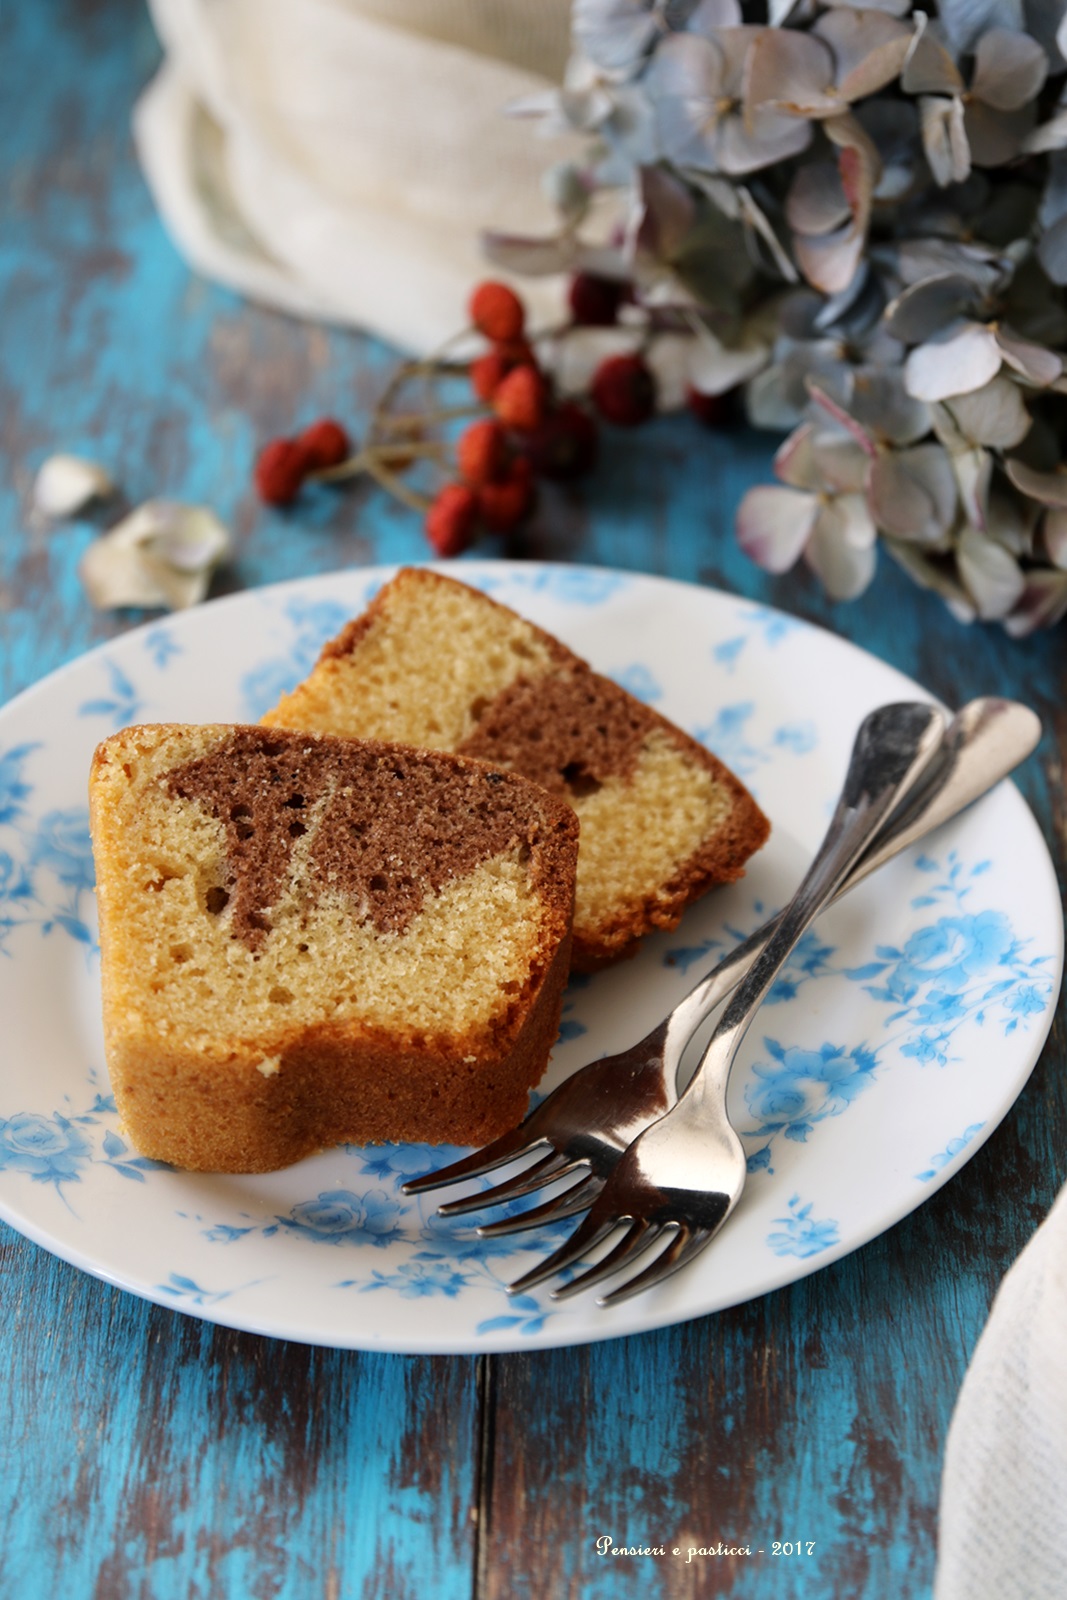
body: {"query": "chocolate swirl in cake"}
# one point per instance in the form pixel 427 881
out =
pixel 568 732
pixel 408 826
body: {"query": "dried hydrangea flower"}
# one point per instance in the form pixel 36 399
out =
pixel 859 212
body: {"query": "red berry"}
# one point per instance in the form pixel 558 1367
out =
pixel 281 468
pixel 451 519
pixel 594 301
pixel 497 311
pixel 487 372
pixel 326 444
pixel 505 503
pixel 565 445
pixel 520 399
pixel 482 452
pixel 624 390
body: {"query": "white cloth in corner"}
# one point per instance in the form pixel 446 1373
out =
pixel 338 165
pixel 1003 1520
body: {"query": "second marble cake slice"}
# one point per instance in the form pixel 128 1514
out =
pixel 434 663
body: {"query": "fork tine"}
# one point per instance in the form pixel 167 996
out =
pixel 506 1148
pixel 686 1244
pixel 587 1234
pixel 640 1236
pixel 550 1167
pixel 579 1197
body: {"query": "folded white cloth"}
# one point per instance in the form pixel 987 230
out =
pixel 340 158
pixel 1003 1521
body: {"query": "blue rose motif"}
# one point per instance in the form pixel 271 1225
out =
pixel 417 1279
pixel 1029 1000
pixel 403 1161
pixel 338 1216
pixel 63 845
pixel 802 1236
pixel 798 1087
pixel 953 952
pixel 50 1149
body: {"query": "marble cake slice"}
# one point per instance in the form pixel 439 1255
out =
pixel 308 940
pixel 432 662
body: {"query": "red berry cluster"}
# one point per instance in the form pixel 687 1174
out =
pixel 529 434
pixel 523 429
pixel 283 465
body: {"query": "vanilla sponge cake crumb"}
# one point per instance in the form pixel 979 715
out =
pixel 432 662
pixel 308 940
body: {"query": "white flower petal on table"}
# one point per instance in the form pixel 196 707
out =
pixel 162 554
pixel 994 415
pixel 964 357
pixel 66 484
pixel 842 550
pixel 991 573
pixel 773 525
pixel 1009 69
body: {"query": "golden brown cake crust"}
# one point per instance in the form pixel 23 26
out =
pixel 243 1045
pixel 575 732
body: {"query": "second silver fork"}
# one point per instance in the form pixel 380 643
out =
pixel 583 1127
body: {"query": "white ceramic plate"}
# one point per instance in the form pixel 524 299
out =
pixel 901 1033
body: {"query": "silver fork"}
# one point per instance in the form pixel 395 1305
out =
pixel 584 1126
pixel 682 1177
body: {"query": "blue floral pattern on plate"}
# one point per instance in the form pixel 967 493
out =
pixel 948 982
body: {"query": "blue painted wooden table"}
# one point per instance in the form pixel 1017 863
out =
pixel 144 1453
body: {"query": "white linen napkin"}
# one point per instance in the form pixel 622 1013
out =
pixel 339 158
pixel 1003 1519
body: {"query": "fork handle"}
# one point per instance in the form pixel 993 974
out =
pixel 986 739
pixel 893 748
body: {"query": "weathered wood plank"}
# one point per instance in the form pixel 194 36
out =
pixel 143 1452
